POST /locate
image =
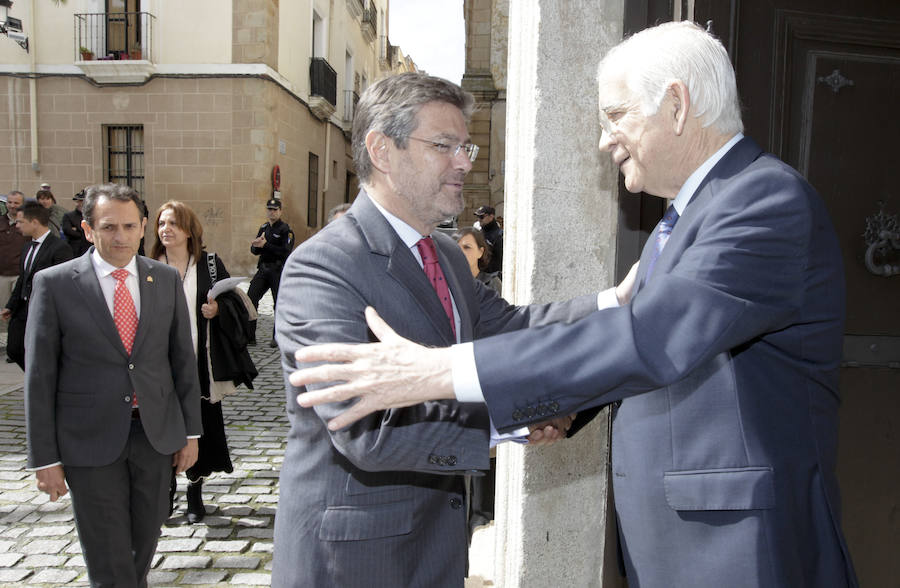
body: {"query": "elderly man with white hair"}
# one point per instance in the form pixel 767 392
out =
pixel 723 368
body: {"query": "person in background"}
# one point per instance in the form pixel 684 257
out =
pixel 493 234
pixel 273 243
pixel 11 242
pixel 44 250
pixel 179 243
pixel 338 211
pixel 46 199
pixel 478 254
pixel 71 227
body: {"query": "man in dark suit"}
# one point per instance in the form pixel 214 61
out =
pixel 112 398
pixel 723 369
pixel 71 227
pixel 42 251
pixel 383 503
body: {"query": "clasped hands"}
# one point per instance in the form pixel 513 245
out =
pixel 393 373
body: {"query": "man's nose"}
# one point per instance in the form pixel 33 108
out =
pixel 462 162
pixel 606 141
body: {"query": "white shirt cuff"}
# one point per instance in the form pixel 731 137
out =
pixel 59 463
pixel 607 299
pixel 466 386
pixel 518 436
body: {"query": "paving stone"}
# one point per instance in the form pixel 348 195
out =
pixel 52 531
pixel 250 522
pixel 263 548
pixel 75 562
pixel 251 579
pixel 44 561
pixel 238 562
pixel 178 545
pixel 15 575
pixel 210 577
pixel 257 533
pixel 186 562
pixel 185 531
pixel 50 546
pixel 227 546
pixel 61 517
pixel 213 532
pixel 157 578
pixel 53 577
pixel 235 499
pixel 236 511
pixel 8 560
pixel 6 546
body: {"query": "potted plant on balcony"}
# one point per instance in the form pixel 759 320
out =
pixel 86 54
pixel 135 51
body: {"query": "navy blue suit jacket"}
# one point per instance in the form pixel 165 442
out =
pixel 726 365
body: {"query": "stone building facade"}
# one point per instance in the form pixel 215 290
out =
pixel 194 102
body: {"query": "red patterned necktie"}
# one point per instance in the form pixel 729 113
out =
pixel 124 315
pixel 435 274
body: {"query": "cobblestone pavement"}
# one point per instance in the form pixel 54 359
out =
pixel 233 544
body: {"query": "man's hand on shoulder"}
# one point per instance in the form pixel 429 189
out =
pixel 186 456
pixel 52 480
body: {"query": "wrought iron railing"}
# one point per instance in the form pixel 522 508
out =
pixel 351 98
pixel 370 17
pixel 322 80
pixel 113 35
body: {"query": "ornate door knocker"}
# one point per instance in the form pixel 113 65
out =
pixel 883 239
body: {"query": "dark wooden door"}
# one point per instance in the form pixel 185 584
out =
pixel 820 85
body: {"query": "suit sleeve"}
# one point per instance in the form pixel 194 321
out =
pixel 740 278
pixel 322 300
pixel 42 332
pixel 62 252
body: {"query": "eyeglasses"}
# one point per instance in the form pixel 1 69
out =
pixel 471 149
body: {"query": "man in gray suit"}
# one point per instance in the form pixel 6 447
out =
pixel 383 503
pixel 723 370
pixel 112 397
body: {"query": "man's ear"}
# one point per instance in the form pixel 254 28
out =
pixel 88 234
pixel 680 105
pixel 377 146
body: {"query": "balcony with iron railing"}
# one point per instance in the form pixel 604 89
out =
pixel 115 47
pixel 322 88
pixel 369 22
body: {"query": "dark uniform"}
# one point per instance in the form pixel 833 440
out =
pixel 272 255
pixel 71 229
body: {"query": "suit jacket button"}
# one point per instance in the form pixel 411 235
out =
pixel 455 503
pixel 517 415
pixel 433 459
pixel 131 366
pixel 529 411
pixel 127 399
pixel 542 409
pixel 554 406
pixel 451 461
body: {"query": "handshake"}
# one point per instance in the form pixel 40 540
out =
pixel 550 432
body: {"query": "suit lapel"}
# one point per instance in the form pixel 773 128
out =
pixel 401 264
pixel 88 286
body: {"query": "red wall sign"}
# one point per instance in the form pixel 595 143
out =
pixel 276 178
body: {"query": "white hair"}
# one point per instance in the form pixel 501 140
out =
pixel 654 58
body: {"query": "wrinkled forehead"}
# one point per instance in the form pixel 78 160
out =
pixel 612 89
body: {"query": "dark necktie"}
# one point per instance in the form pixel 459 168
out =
pixel 435 274
pixel 662 235
pixel 29 257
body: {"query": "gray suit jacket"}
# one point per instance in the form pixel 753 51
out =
pixel 79 379
pixel 726 365
pixel 382 502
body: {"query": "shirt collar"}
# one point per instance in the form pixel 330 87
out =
pixel 690 186
pixel 407 234
pixel 103 268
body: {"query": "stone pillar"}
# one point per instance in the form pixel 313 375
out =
pixel 561 214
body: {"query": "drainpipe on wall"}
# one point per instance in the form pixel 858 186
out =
pixel 327 130
pixel 32 91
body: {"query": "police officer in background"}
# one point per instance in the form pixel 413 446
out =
pixel 273 244
pixel 71 227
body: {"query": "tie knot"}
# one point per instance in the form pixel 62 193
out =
pixel 427 250
pixel 120 274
